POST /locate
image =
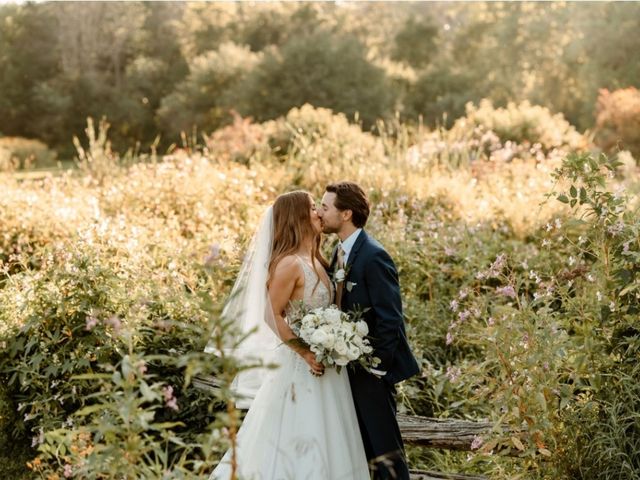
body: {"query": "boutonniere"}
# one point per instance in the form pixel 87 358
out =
pixel 340 274
pixel 350 285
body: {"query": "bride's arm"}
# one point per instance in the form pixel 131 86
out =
pixel 287 276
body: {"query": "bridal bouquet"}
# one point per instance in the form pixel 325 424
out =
pixel 337 338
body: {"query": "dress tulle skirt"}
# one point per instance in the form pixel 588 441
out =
pixel 299 427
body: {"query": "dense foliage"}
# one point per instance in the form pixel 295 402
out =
pixel 519 275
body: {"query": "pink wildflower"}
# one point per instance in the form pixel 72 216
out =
pixel 91 323
pixel 477 443
pixel 169 399
pixel 449 338
pixel 507 291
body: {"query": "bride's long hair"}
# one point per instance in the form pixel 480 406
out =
pixel 292 226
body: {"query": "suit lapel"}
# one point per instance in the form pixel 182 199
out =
pixel 362 238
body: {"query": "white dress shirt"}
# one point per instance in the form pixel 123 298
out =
pixel 348 243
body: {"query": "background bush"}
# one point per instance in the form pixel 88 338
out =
pixel 19 153
pixel 618 121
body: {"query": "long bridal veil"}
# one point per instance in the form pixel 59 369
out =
pixel 249 308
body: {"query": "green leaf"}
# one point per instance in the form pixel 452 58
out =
pixel 563 198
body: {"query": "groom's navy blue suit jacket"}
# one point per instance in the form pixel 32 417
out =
pixel 373 280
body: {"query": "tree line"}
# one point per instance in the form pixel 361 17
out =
pixel 156 69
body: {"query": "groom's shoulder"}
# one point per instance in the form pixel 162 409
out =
pixel 374 246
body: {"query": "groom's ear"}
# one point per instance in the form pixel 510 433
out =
pixel 347 215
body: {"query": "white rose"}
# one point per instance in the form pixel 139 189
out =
pixel 318 337
pixel 362 328
pixel 354 353
pixel 330 339
pixel 305 333
pixel 341 361
pixel 340 275
pixel 333 315
pixel 367 349
pixel 308 319
pixel 341 347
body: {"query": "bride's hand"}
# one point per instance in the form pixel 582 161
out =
pixel 316 367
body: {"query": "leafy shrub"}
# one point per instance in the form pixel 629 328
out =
pixel 415 42
pixel 22 153
pixel 200 100
pixel 618 120
pixel 96 346
pixel 519 130
pixel 439 97
pixel 237 142
pixel 322 69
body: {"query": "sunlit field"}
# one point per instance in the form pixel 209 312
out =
pixel 520 306
pixel 140 143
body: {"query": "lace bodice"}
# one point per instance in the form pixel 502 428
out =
pixel 316 293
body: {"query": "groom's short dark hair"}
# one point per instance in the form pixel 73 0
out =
pixel 350 196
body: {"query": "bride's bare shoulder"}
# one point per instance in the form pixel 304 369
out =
pixel 288 268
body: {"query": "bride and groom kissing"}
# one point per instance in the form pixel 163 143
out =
pixel 306 421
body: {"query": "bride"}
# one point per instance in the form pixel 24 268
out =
pixel 301 423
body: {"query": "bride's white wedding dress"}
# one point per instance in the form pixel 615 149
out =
pixel 300 427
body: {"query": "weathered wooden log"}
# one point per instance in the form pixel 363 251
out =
pixel 449 434
pixel 429 475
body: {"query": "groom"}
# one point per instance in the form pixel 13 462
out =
pixel 367 279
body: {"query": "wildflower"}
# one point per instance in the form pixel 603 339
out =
pixel 590 278
pixel 453 373
pixel 571 261
pixel 477 443
pixel 491 321
pixel 462 294
pixel 214 254
pixel 449 338
pixel 142 367
pixel 114 322
pixel 38 439
pixel 496 267
pixel 91 323
pixel 169 399
pixel 534 276
pixel 68 471
pixel 546 242
pixel 453 305
pixel 616 228
pixel 462 316
pixel 612 306
pixel 507 291
pixel 598 296
pixel 449 252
